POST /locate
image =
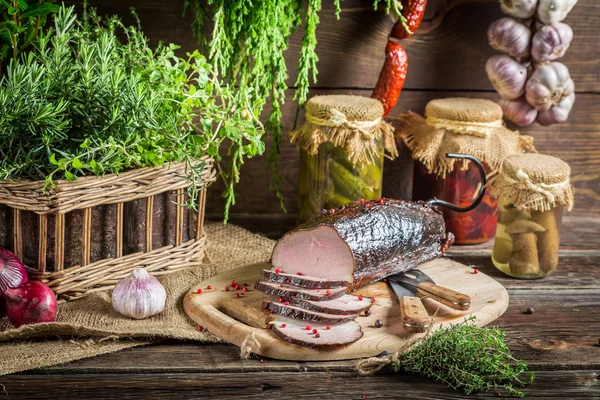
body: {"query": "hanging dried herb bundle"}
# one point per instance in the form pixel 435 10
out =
pixel 248 43
pixel 463 356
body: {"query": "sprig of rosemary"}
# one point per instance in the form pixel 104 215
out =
pixel 84 102
pixel 469 358
pixel 248 43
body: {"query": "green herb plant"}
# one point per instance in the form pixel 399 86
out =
pixel 84 102
pixel 469 358
pixel 22 22
pixel 248 43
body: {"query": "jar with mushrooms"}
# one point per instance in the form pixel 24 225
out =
pixel 534 191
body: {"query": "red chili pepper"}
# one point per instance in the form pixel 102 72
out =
pixel 392 76
pixel 413 11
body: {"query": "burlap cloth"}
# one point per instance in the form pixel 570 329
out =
pixel 90 327
pixel 354 123
pixel 459 125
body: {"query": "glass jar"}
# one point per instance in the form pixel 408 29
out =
pixel 328 180
pixel 459 187
pixel 527 241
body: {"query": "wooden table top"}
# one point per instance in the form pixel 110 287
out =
pixel 560 341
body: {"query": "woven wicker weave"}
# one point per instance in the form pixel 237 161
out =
pixel 88 192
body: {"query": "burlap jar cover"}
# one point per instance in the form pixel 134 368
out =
pixel 534 182
pixel 354 123
pixel 460 125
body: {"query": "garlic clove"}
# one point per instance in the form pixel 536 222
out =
pixel 553 11
pixel 510 36
pixel 507 76
pixel 140 295
pixel 548 85
pixel 558 113
pixel 519 8
pixel 551 42
pixel 519 111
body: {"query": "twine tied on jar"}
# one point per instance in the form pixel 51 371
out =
pixel 353 123
pixel 534 182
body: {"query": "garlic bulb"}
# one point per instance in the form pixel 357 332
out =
pixel 507 76
pixel 558 113
pixel 510 37
pixel 553 11
pixel 551 42
pixel 548 85
pixel 519 8
pixel 519 111
pixel 139 296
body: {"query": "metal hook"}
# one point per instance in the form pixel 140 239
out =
pixel 442 203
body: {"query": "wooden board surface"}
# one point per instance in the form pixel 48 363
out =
pixel 238 320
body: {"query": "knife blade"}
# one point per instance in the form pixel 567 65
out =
pixel 413 313
pixel 422 285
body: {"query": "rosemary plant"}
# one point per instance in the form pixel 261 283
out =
pixel 247 46
pixel 86 103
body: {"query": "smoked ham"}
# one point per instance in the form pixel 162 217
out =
pixel 289 291
pixel 364 242
pixel 303 281
pixel 345 305
pixel 306 315
pixel 315 334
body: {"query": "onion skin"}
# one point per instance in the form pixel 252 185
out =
pixel 519 8
pixel 551 42
pixel 12 271
pixel 548 85
pixel 519 111
pixel 510 36
pixel 507 76
pixel 31 303
pixel 558 113
pixel 553 11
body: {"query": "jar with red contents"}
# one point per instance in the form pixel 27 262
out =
pixel 460 125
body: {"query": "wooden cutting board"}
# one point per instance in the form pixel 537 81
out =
pixel 237 319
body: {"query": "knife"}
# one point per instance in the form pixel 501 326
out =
pixel 422 285
pixel 414 315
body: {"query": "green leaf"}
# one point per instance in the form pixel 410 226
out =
pixel 70 176
pixel 53 159
pixel 76 163
pixel 40 9
pixel 96 167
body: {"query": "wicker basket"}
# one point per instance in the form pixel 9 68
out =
pixel 39 227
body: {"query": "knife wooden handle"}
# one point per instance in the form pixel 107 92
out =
pixel 414 315
pixel 449 297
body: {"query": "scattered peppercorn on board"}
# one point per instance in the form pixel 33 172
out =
pixel 228 306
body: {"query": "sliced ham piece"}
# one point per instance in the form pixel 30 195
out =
pixel 309 282
pixel 306 315
pixel 364 242
pixel 290 291
pixel 295 331
pixel 345 305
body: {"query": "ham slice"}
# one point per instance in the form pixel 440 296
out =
pixel 345 305
pixel 295 331
pixel 306 315
pixel 364 242
pixel 290 291
pixel 309 282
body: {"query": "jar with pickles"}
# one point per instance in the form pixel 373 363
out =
pixel 342 146
pixel 460 125
pixel 534 190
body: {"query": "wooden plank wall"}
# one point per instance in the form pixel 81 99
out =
pixel 446 58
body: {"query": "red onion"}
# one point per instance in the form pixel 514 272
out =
pixel 2 307
pixel 30 303
pixel 12 271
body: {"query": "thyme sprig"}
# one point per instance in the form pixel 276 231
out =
pixel 84 102
pixel 469 358
pixel 248 44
